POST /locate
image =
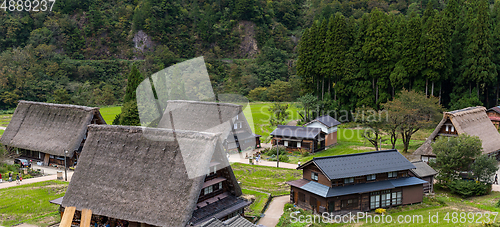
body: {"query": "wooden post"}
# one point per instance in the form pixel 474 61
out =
pixel 67 218
pixel 86 217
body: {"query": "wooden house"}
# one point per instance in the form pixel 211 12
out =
pixel 127 177
pixel 328 125
pixel 356 182
pixel 424 172
pixel 472 121
pixel 494 115
pixel 225 118
pixel 44 131
pixel 296 137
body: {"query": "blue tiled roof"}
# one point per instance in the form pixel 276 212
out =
pixel 296 132
pixel 328 121
pixel 353 165
pixel 325 191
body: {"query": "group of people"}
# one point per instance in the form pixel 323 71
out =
pixel 255 156
pixel 19 178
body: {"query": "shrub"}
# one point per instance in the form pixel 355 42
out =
pixel 380 211
pixel 272 151
pixel 498 204
pixel 468 188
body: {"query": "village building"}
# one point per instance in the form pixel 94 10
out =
pixel 356 182
pixel 49 133
pixel 328 125
pixel 472 121
pixel 424 172
pixel 295 137
pixel 225 118
pixel 134 176
pixel 494 115
pixel 237 221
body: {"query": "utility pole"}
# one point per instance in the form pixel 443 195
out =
pixel 65 166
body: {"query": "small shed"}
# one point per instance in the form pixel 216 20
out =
pixel 424 172
pixel 328 125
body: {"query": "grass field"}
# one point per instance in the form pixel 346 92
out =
pixel 30 203
pixel 261 117
pixel 109 113
pixel 439 210
pixel 266 179
pixel 260 200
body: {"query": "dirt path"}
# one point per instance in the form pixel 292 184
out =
pixel 240 158
pixel 274 211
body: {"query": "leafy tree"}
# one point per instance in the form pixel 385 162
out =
pixel 258 94
pixel 279 114
pixel 416 111
pixel 460 101
pixel 129 113
pixel 280 91
pixel 455 155
pixel 484 168
pixel 373 122
pixel 307 102
pixel 61 96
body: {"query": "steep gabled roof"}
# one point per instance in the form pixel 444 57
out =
pixel 49 128
pixel 422 169
pixel 353 165
pixel 126 175
pixel 237 221
pixel 325 120
pixel 471 120
pixel 296 132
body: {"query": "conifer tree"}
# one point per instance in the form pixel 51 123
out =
pixel 129 112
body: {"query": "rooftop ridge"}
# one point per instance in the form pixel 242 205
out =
pixel 86 108
pixel 356 154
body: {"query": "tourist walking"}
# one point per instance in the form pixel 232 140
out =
pixel 0 178
pixel 496 179
pixel 10 177
pixel 18 180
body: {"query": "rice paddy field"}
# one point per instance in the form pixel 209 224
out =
pixel 30 203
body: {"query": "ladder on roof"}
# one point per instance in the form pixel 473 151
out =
pixel 69 213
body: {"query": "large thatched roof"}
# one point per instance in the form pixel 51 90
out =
pixel 125 175
pixel 49 128
pixel 474 122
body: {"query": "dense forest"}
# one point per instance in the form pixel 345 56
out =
pixel 352 52
pixel 448 51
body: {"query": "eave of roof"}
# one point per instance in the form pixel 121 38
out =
pixel 327 192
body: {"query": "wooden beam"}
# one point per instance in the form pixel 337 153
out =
pixel 86 217
pixel 67 218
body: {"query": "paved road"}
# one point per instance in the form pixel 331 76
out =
pixel 274 211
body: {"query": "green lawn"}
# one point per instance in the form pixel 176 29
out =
pixel 260 200
pixel 266 179
pixel 261 117
pixel 109 113
pixel 30 203
pixel 439 210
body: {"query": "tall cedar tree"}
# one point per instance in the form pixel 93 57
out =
pixel 129 113
pixel 377 48
pixel 337 44
pixel 478 65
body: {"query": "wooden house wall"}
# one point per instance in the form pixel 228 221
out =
pixel 331 139
pixel 413 194
pixel 322 179
pixel 363 179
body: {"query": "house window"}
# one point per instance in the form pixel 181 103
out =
pixel 235 126
pixel 447 129
pixel 371 177
pixel 286 144
pixel 298 144
pixel 396 198
pixel 208 190
pixel 314 176
pixel 302 197
pixel 292 144
pixel 349 180
pixel 220 185
pixel 349 203
pixel 392 174
pixel 385 200
pixel 404 174
pixel 374 200
pixel 452 128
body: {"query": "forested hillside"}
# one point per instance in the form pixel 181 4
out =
pixel 82 51
pixel 450 51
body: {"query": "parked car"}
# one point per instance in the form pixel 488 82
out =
pixel 22 162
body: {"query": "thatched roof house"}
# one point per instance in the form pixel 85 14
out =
pixel 224 118
pixel 45 129
pixel 494 115
pixel 473 121
pixel 123 174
